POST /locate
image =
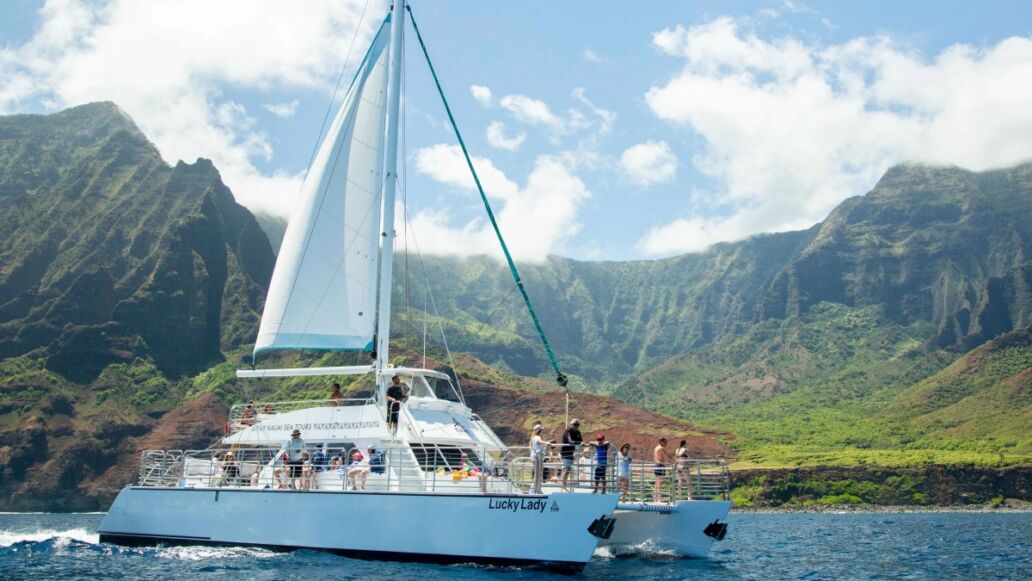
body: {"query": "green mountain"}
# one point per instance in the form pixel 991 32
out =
pixel 942 249
pixel 108 254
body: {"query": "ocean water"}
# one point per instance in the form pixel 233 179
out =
pixel 758 546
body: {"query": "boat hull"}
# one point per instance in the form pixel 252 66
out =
pixel 679 528
pixel 547 530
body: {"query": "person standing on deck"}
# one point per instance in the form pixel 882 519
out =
pixel 601 464
pixel 394 398
pixel 294 452
pixel 661 457
pixel 538 445
pixel 571 440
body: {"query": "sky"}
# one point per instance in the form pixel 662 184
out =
pixel 602 131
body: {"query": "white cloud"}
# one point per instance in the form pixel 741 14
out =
pixel 535 220
pixel 283 110
pixel 535 112
pixel 532 112
pixel 790 129
pixel 481 94
pixel 446 164
pixel 606 117
pixel 496 137
pixel 167 63
pixel 592 56
pixel 648 163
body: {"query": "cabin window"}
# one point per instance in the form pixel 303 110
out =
pixel 442 388
pixel 431 457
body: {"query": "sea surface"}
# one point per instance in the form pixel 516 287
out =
pixel 758 546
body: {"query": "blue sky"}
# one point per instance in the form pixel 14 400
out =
pixel 649 129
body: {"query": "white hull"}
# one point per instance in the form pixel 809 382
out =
pixel 664 528
pixel 497 529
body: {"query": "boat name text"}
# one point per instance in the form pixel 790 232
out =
pixel 517 504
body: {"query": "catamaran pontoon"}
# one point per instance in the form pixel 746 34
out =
pixel 443 487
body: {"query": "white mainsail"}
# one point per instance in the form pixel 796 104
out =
pixel 323 289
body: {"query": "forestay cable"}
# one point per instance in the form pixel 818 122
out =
pixel 560 378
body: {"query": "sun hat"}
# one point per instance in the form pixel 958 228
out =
pixel 295 433
pixel 538 427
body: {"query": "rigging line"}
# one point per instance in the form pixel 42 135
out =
pixel 333 99
pixel 491 315
pixel 403 175
pixel 560 378
pixel 437 316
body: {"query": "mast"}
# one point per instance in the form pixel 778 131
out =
pixel 383 326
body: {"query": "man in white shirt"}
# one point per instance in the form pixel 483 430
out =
pixel 293 456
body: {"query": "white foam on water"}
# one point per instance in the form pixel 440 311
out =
pixel 645 549
pixel 200 553
pixel 8 538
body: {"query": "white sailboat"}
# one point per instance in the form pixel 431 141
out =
pixel 438 485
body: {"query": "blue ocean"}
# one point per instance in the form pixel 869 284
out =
pixel 758 546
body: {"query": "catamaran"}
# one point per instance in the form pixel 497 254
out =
pixel 428 480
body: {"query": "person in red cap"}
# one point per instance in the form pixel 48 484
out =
pixel 601 463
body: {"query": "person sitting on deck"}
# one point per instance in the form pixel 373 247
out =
pixel 336 396
pixel 247 417
pixel 230 471
pixel 358 471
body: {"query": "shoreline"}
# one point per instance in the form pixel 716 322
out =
pixel 1009 506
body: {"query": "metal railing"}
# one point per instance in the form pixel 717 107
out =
pixel 431 468
pixel 245 415
pixel 698 479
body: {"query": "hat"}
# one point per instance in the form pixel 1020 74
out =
pixel 600 436
pixel 575 422
pixel 295 433
pixel 538 427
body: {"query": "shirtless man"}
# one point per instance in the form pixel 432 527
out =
pixel 660 456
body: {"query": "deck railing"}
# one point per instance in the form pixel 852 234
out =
pixel 430 468
pixel 245 415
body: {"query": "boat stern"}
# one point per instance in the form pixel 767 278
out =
pixel 688 528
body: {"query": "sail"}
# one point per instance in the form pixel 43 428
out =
pixel 323 289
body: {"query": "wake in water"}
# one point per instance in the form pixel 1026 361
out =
pixel 647 549
pixel 8 538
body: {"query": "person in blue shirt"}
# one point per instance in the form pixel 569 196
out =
pixel 601 463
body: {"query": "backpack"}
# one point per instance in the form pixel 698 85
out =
pixel 376 463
